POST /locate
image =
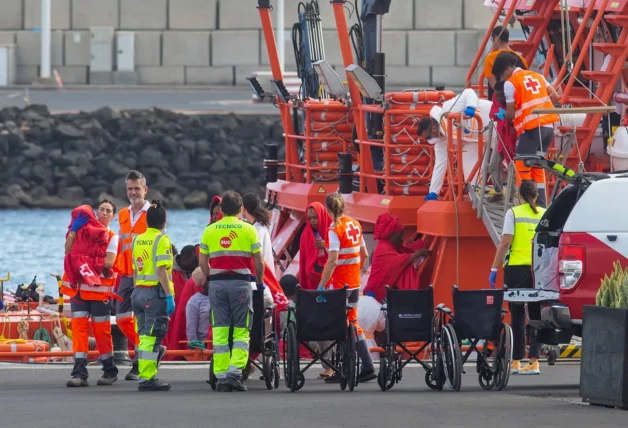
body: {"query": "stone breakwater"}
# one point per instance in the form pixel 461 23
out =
pixel 61 161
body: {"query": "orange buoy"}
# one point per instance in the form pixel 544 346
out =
pixel 20 345
pixel 420 97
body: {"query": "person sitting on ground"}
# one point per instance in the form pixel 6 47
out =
pixel 197 317
pixel 184 265
pixel 394 264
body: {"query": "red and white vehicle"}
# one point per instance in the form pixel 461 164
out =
pixel 582 233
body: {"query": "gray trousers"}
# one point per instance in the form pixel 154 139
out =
pixel 536 142
pixel 149 305
pixel 495 170
pixel 231 306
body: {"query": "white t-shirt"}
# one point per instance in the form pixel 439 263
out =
pixel 267 247
pixel 267 254
pixel 113 244
pixel 509 91
pixel 509 223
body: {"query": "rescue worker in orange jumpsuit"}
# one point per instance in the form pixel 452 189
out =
pixel 132 220
pixel 526 90
pixel 93 301
pixel 347 254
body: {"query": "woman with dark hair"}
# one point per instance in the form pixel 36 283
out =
pixel 93 301
pixel 215 213
pixel 152 298
pixel 515 252
pixel 259 217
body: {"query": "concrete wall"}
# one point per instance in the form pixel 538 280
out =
pixel 427 42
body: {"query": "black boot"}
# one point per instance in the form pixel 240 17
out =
pixel 110 374
pixel 134 374
pixel 237 385
pixel 153 385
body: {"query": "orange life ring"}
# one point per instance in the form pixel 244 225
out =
pixel 331 126
pixel 331 116
pixel 18 345
pixel 420 97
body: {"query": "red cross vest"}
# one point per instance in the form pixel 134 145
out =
pixel 347 270
pixel 530 93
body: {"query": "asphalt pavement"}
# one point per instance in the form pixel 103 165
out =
pixel 219 100
pixel 36 397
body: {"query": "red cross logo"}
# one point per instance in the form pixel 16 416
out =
pixel 353 233
pixel 532 84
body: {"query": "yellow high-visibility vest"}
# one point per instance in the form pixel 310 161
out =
pixel 151 250
pixel 526 220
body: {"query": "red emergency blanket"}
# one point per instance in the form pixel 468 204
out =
pixel 391 264
pixel 311 259
pixel 506 133
pixel 85 262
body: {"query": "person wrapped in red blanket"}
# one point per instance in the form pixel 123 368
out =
pixel 312 253
pixel 394 264
pixel 506 142
pixel 85 262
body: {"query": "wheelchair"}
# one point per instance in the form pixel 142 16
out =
pixel 320 316
pixel 263 339
pixel 478 316
pixel 409 318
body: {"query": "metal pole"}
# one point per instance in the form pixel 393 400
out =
pixel 45 39
pixel 280 34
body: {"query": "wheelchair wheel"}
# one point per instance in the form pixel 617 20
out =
pixel 505 356
pixel 269 370
pixel 487 378
pixel 435 378
pixel 452 357
pixel 292 365
pixel 212 377
pixel 386 377
pixel 352 357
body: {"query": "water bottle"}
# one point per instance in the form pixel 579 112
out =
pixel 321 252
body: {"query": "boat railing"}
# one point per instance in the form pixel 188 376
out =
pixel 401 143
pixel 310 166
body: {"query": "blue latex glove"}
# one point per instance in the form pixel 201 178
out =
pixel 79 222
pixel 261 286
pixel 370 293
pixel 469 111
pixel 170 304
pixel 321 288
pixel 431 197
pixel 492 278
pixel 501 114
pixel 1 304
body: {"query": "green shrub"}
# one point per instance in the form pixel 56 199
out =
pixel 613 292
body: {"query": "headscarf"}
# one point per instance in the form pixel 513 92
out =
pixel 308 253
pixel 386 226
pixel 215 200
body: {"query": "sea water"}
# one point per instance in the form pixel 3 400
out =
pixel 32 242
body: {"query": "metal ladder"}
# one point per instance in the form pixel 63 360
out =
pixel 493 213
